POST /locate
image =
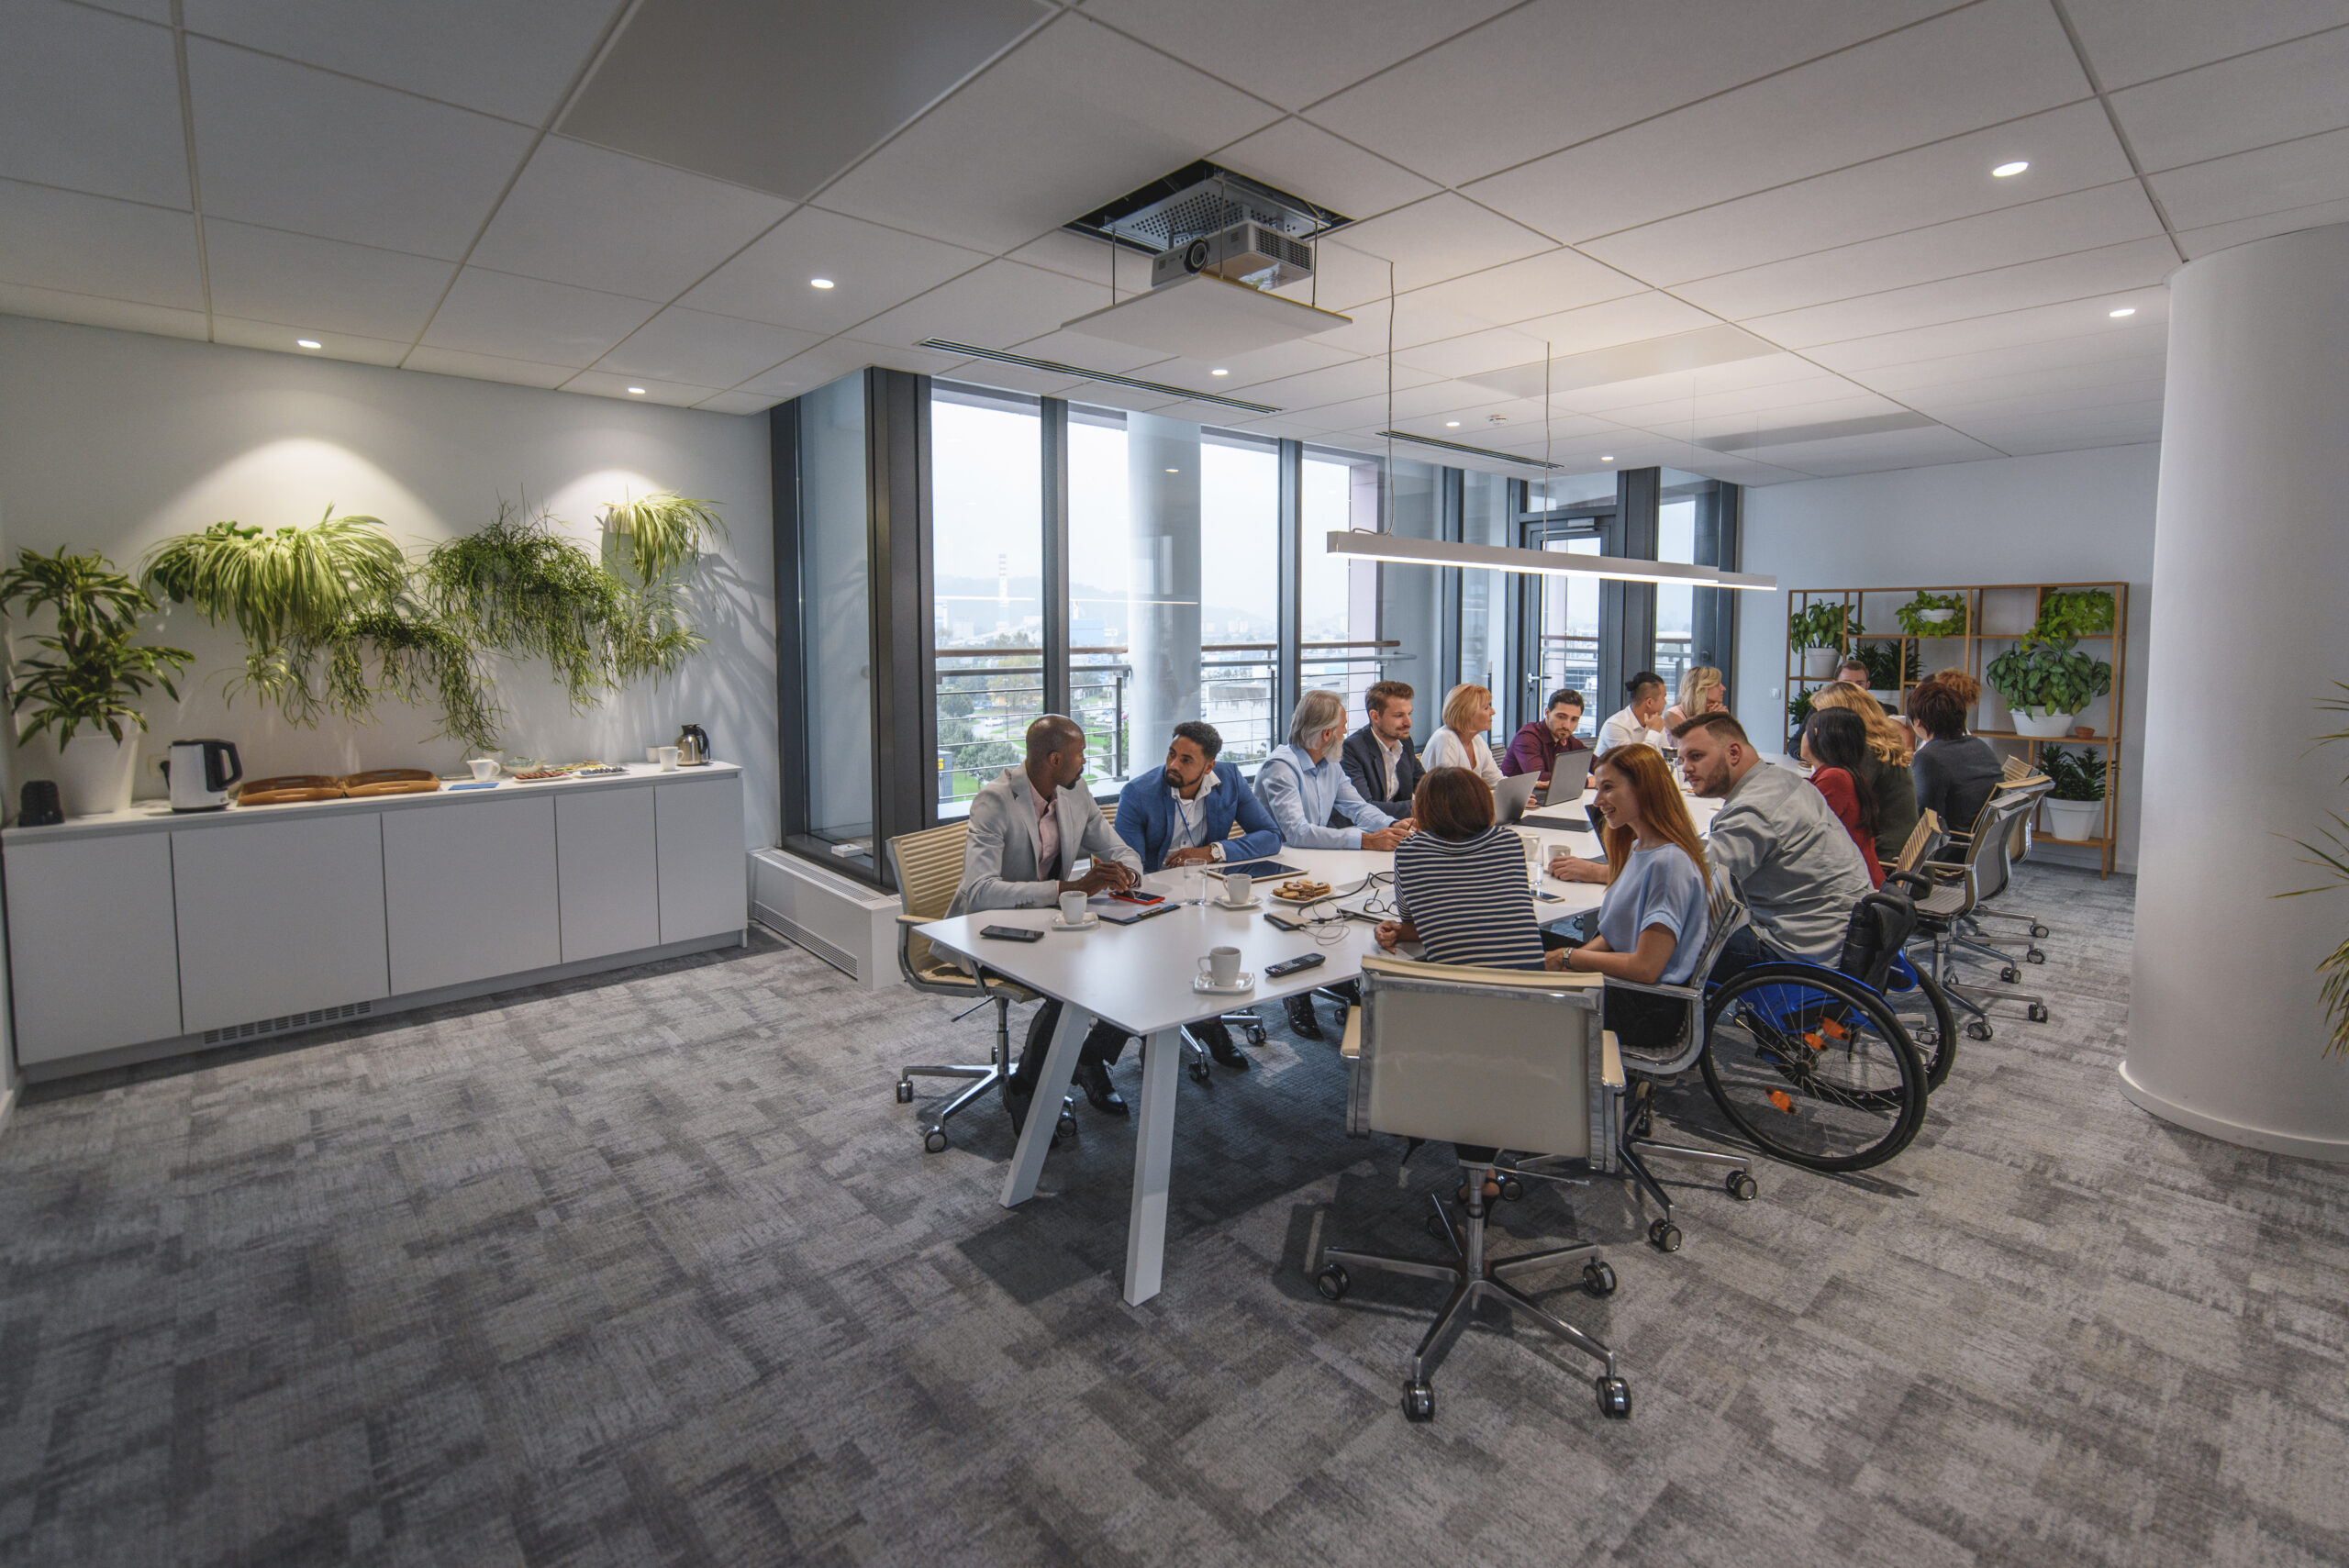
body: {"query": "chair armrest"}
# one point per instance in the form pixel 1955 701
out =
pixel 905 919
pixel 1473 974
pixel 1692 994
pixel 1610 1061
pixel 1351 1047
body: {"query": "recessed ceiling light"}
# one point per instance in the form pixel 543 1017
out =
pixel 305 342
pixel 1452 424
pixel 820 283
pixel 636 391
pixel 1218 372
pixel 2005 170
pixel 2124 310
pixel 1173 471
pixel 1607 457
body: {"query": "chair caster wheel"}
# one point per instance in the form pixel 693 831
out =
pixel 2038 1012
pixel 904 1091
pixel 1664 1236
pixel 1614 1398
pixel 1256 1034
pixel 1741 1186
pixel 1063 1129
pixel 1512 1190
pixel 1419 1401
pixel 2034 956
pixel 1199 1070
pixel 1436 1228
pixel 1598 1278
pixel 1978 1030
pixel 2009 975
pixel 934 1140
pixel 1332 1283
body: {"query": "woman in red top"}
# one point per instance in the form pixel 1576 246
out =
pixel 1835 743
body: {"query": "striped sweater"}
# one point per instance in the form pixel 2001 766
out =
pixel 1469 899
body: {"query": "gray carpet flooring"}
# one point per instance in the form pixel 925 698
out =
pixel 652 1269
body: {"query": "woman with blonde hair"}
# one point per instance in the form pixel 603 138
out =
pixel 1467 715
pixel 1701 692
pixel 1653 921
pixel 1886 765
pixel 1961 686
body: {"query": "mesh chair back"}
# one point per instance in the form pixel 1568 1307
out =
pixel 1511 1060
pixel 1988 857
pixel 929 868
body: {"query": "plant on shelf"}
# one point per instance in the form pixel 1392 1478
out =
pixel 315 605
pixel 665 532
pixel 2073 612
pixel 2045 683
pixel 1798 713
pixel 2332 858
pixel 2074 807
pixel 1885 665
pixel 1933 615
pixel 89 672
pixel 1821 632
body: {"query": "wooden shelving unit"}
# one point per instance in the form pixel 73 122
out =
pixel 1997 616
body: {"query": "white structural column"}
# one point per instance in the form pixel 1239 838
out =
pixel 2251 557
pixel 1162 586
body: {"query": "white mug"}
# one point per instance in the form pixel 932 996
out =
pixel 1236 887
pixel 652 753
pixel 1071 908
pixel 668 756
pixel 1221 965
pixel 485 768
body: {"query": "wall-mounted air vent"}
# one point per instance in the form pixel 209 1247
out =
pixel 231 1033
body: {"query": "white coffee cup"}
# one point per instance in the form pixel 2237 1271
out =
pixel 1071 908
pixel 1221 967
pixel 485 768
pixel 668 758
pixel 652 753
pixel 1238 887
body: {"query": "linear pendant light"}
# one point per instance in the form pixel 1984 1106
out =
pixel 1363 546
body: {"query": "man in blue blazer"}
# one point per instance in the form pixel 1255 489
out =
pixel 1181 815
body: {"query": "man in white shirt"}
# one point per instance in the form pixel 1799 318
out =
pixel 1636 725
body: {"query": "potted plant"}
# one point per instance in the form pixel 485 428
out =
pixel 1885 663
pixel 1817 633
pixel 2075 612
pixel 89 672
pixel 2073 809
pixel 2046 683
pixel 1798 715
pixel 1933 615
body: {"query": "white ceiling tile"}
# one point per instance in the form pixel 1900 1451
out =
pixel 2070 149
pixel 1472 354
pixel 872 268
pixel 2089 276
pixel 289 147
pixel 531 319
pixel 1306 161
pixel 1246 369
pixel 1754 383
pixel 2083 221
pixel 819 366
pixel 891 356
pixel 2200 242
pixel 1966 405
pixel 1891 448
pixel 1075 116
pixel 515 59
pixel 604 383
pixel 580 215
pixel 1077 348
pixel 1539 285
pixel 992 307
pixel 1081 256
pixel 94 310
pixel 1995 61
pixel 2306 173
pixel 1017 378
pixel 2125 423
pixel 1429 242
pixel 736 403
pixel 694 348
pixel 1555 72
pixel 145 10
pixel 1334 383
pixel 2076 362
pixel 1691 407
pixel 325 287
pixel 59 240
pixel 2291 90
pixel 278 338
pixel 485 367
pixel 1631 320
pixel 2133 40
pixel 1296 50
pixel 2048 329
pixel 91 101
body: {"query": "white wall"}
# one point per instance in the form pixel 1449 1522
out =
pixel 2071 517
pixel 112 440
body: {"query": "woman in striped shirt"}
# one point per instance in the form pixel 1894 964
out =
pixel 1460 882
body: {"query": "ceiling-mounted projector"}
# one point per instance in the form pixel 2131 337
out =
pixel 1244 253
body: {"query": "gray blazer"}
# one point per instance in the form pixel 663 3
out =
pixel 999 869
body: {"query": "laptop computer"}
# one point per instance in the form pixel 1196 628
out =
pixel 1569 772
pixel 1510 800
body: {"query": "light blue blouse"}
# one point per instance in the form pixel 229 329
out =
pixel 1657 887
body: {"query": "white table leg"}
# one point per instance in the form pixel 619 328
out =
pixel 1154 1160
pixel 1044 1111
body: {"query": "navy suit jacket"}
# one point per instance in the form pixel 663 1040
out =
pixel 1146 817
pixel 1366 767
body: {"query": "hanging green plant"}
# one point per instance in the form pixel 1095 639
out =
pixel 520 587
pixel 664 532
pixel 2075 612
pixel 89 671
pixel 1923 615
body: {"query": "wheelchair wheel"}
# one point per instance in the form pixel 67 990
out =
pixel 1925 1016
pixel 1813 1066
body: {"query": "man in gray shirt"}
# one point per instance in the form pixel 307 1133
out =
pixel 1794 865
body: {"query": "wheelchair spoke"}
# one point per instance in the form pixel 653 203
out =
pixel 1813 1066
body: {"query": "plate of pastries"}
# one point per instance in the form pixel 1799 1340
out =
pixel 1303 890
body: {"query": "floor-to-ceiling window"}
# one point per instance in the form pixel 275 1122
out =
pixel 1485 654
pixel 1675 540
pixel 1239 595
pixel 1338 594
pixel 835 629
pixel 987 567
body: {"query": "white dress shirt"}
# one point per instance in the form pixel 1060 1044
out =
pixel 1392 752
pixel 1625 729
pixel 1190 827
pixel 1445 751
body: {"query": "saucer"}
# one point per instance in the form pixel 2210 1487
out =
pixel 1087 924
pixel 1254 903
pixel 1206 987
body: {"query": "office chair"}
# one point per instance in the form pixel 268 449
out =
pixel 930 867
pixel 2031 788
pixel 2021 778
pixel 1982 875
pixel 1487 1060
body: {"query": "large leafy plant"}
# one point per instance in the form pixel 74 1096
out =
pixel 2077 774
pixel 89 671
pixel 665 532
pixel 2331 857
pixel 2042 677
pixel 1885 664
pixel 1912 615
pixel 2075 612
pixel 1821 625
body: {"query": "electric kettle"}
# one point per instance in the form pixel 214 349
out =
pixel 200 772
pixel 692 746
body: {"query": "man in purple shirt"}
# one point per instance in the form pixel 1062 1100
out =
pixel 1535 747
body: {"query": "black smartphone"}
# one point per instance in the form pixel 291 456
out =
pixel 1284 923
pixel 1012 933
pixel 1549 898
pixel 1291 965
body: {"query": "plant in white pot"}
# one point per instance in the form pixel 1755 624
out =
pixel 2074 807
pixel 2046 683
pixel 1933 615
pixel 83 682
pixel 1819 634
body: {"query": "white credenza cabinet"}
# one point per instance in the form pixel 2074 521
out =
pixel 144 933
